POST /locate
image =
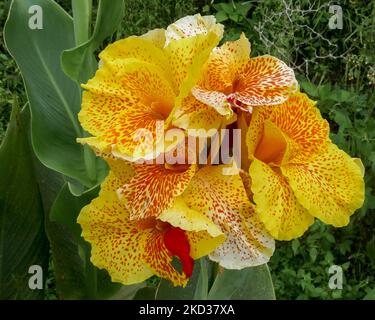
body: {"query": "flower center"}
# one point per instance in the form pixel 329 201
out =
pixel 272 146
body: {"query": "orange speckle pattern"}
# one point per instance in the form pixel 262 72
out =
pixel 133 95
pixel 223 199
pixel 231 77
pixel 297 172
pixel 153 189
pixel 133 250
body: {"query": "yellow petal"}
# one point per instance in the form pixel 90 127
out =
pixel 220 72
pixel 156 37
pixel 195 115
pixel 120 173
pixel 191 26
pixel 223 65
pixel 180 215
pixel 145 48
pixel 330 187
pixel 116 243
pixel 203 243
pixel 276 203
pixel 296 123
pixel 265 80
pixel 153 189
pixel 126 110
pixel 158 258
pixel 218 193
pixel 132 251
pixel 186 58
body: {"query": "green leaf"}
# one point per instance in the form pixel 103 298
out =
pixel 325 92
pixel 342 119
pixel 310 88
pixel 343 95
pixel 54 99
pixel 147 293
pixel 22 239
pixel 221 16
pixel 82 20
pixel 253 283
pixel 201 290
pixel 313 254
pixel 234 17
pixel 295 246
pixel 79 62
pixel 370 249
pixel 225 7
pixel 370 295
pixel 129 292
pixel 243 8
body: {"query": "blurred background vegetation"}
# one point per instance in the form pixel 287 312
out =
pixel 335 67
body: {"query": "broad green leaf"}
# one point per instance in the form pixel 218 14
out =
pixel 343 95
pixel 68 266
pixel 79 63
pixel 203 282
pixel 54 99
pixel 342 118
pixel 253 283
pixel 22 239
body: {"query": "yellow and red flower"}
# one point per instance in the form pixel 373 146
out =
pixel 297 173
pixel 149 212
pixel 134 250
pixel 130 101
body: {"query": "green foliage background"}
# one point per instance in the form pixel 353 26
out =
pixel 335 67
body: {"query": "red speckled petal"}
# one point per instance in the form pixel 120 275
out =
pixel 330 187
pixel 153 189
pixel 299 124
pixel 265 80
pixel 278 208
pixel 117 245
pixel 118 109
pixel 218 192
pixel 196 115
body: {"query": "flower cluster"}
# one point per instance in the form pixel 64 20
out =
pixel 211 152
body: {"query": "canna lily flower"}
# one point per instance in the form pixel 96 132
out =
pixel 130 101
pixel 232 79
pixel 297 173
pixel 218 193
pixel 134 250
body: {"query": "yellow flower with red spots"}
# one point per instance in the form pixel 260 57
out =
pixel 134 250
pixel 297 173
pixel 154 92
pixel 129 102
